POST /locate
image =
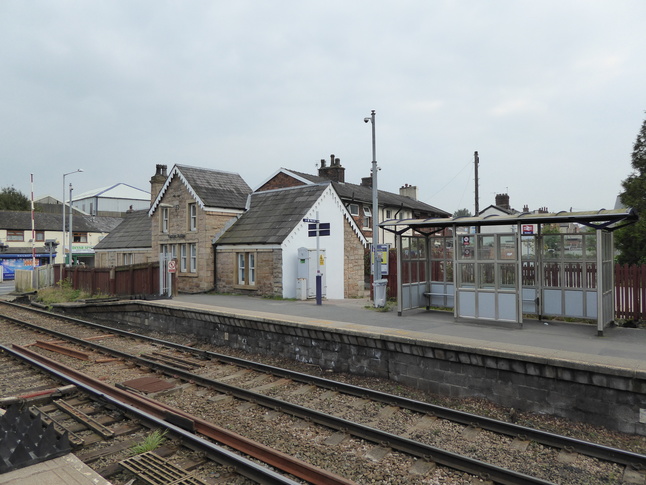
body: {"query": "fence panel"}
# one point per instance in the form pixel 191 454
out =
pixel 630 292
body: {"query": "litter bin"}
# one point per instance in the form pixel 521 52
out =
pixel 380 292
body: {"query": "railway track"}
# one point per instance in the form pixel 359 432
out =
pixel 399 429
pixel 103 432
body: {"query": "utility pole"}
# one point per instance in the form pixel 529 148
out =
pixel 378 284
pixel 476 162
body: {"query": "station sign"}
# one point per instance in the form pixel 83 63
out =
pixel 318 229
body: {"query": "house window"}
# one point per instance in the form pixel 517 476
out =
pixel 389 214
pixel 164 219
pixel 182 258
pixel 169 249
pixel 366 217
pixel 354 209
pixel 193 258
pixel 128 258
pixel 80 237
pixel 40 236
pixel 15 235
pixel 246 269
pixel 192 217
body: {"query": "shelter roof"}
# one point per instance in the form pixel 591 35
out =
pixel 134 232
pixel 601 219
pixel 116 191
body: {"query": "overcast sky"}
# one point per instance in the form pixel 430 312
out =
pixel 551 94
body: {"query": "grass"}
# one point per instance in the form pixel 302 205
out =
pixel 150 442
pixel 63 292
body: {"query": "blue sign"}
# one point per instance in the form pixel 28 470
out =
pixel 323 229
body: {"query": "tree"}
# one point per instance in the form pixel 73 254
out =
pixel 13 200
pixel 631 240
pixel 462 213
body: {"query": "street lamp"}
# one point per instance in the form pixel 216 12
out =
pixel 378 285
pixel 63 245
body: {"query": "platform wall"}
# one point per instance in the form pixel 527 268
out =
pixel 611 397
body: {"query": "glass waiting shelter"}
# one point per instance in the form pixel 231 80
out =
pixel 501 267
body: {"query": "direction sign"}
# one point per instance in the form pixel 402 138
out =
pixel 323 229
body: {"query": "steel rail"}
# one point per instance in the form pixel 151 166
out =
pixel 456 461
pixel 595 450
pixel 161 416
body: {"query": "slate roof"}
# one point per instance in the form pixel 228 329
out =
pixel 363 194
pixel 210 188
pixel 134 232
pixel 272 215
pixel 44 221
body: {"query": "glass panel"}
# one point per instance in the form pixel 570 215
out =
pixel 467 274
pixel 507 275
pixel 466 247
pixel 486 247
pixel 405 272
pixel 422 270
pixel 422 247
pixel 507 247
pixel 528 247
pixel 437 247
pixel 552 274
pixel 405 248
pixel 437 270
pixel 487 277
pixel 591 275
pixel 590 246
pixel 449 271
pixel 552 244
pixel 529 273
pixel 449 247
pixel 572 275
pixel 573 248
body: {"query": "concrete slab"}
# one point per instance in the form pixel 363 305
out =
pixel 66 470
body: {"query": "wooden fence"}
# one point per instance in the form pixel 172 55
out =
pixel 630 292
pixel 131 280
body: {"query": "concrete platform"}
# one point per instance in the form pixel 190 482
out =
pixel 574 342
pixel 66 470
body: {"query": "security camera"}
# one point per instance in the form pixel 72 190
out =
pixel 365 120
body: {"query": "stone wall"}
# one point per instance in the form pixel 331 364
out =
pixel 610 397
pixel 353 254
pixel 269 273
pixel 209 223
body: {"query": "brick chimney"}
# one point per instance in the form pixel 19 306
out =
pixel 335 172
pixel 157 181
pixel 408 191
pixel 366 182
pixel 502 201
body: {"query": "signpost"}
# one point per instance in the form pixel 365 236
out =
pixel 316 228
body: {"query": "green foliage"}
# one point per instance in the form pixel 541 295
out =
pixel 462 213
pixel 13 200
pixel 150 442
pixel 61 293
pixel 631 240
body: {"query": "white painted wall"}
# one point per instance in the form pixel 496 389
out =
pixel 330 210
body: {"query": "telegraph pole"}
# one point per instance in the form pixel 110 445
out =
pixel 476 162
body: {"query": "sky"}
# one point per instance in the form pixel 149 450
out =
pixel 550 94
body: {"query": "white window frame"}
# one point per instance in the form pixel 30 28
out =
pixel 165 218
pixel 182 258
pixel 252 268
pixel 193 257
pixel 192 217
pixel 241 266
pixel 353 209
